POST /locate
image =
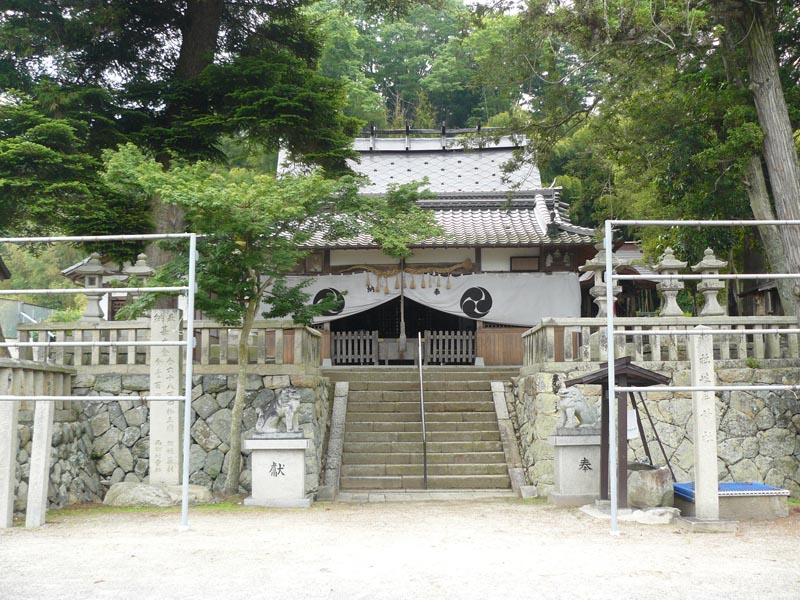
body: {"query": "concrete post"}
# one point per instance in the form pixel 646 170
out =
pixel 165 416
pixel 706 479
pixel 9 445
pixel 39 481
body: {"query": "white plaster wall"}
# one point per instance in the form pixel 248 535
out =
pixel 499 259
pixel 422 255
pixel 341 258
pixel 443 255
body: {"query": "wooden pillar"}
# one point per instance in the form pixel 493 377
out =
pixel 622 444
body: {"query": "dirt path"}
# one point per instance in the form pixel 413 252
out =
pixel 480 549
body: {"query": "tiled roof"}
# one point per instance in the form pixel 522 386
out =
pixel 476 203
pixel 490 222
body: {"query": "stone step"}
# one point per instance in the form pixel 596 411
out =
pixel 397 417
pixel 412 375
pixel 416 426
pixel 429 386
pixel 415 458
pixel 445 482
pixel 414 436
pixel 433 406
pixel 364 447
pixel 413 396
pixel 378 470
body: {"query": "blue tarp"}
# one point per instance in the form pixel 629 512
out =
pixel 731 488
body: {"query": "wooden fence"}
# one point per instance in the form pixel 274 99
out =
pixel 583 340
pixel 270 343
pixel 354 347
pixel 449 347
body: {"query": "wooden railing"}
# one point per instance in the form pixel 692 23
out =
pixel 354 347
pixel 583 340
pixel 274 342
pixel 449 347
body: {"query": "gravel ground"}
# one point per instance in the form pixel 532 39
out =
pixel 480 549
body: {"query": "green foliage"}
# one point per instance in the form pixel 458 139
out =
pixel 752 363
pixel 256 228
pixel 49 182
pixel 176 78
pixel 39 267
pixel 65 316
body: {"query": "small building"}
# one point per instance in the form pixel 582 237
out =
pixel 508 257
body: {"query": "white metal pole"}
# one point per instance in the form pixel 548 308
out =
pixel 612 395
pixel 187 405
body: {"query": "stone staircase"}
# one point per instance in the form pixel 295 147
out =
pixel 383 430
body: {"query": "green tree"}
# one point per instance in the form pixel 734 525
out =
pixel 257 228
pixel 676 98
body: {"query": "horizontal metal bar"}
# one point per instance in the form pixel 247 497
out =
pixel 707 388
pixel 693 276
pixel 701 223
pixel 95 238
pixel 10 398
pixel 123 290
pixel 86 344
pixel 709 331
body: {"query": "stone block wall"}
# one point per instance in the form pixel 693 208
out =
pixel 73 476
pixel 101 443
pixel 757 436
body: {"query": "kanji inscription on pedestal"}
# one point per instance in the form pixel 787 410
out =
pixel 165 415
pixel 701 355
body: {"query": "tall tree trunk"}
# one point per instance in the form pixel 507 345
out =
pixel 235 452
pixel 199 33
pixel 770 236
pixel 780 154
pixel 199 41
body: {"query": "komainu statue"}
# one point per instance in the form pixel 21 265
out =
pixel 573 407
pixel 281 408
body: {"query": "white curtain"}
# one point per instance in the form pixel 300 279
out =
pixel 521 299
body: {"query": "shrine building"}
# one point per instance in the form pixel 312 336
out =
pixel 508 257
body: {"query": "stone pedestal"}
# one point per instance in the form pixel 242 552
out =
pixel 279 471
pixel 577 466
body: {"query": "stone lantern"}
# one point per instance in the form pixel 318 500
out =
pixel 140 269
pixel 710 265
pixel 597 265
pixel 92 272
pixel 669 288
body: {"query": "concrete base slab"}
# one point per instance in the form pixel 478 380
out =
pixel 275 503
pixel 572 500
pixel 742 508
pixel 696 525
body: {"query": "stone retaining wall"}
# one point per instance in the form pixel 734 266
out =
pixel 108 442
pixel 758 431
pixel 121 429
pixel 73 476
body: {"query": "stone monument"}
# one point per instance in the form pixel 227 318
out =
pixel 706 478
pixel 278 454
pixel 576 451
pixel 165 416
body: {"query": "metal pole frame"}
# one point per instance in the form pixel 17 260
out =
pixel 188 343
pixel 611 277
